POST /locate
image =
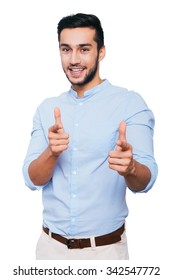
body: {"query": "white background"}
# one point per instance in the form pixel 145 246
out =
pixel 138 38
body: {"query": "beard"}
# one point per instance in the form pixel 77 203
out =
pixel 88 78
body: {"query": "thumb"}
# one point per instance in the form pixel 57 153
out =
pixel 57 116
pixel 122 131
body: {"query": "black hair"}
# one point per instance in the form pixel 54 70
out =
pixel 83 20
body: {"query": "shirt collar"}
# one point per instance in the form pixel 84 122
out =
pixel 91 91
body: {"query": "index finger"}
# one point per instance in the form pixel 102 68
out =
pixel 122 131
pixel 57 115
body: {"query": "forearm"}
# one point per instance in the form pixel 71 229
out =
pixel 41 169
pixel 139 177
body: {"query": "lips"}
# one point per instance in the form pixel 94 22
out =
pixel 76 71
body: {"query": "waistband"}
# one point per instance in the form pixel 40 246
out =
pixel 81 243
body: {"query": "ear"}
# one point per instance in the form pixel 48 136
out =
pixel 102 53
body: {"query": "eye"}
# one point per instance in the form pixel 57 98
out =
pixel 65 49
pixel 84 50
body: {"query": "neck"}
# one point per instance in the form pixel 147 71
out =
pixel 82 89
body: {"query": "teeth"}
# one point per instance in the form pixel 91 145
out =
pixel 76 70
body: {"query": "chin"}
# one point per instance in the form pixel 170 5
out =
pixel 76 81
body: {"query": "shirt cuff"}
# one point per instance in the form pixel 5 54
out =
pixel 154 171
pixel 27 179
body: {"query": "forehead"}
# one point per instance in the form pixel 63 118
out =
pixel 77 36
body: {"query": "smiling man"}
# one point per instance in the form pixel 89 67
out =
pixel 88 146
pixel 80 57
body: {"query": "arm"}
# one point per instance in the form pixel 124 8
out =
pixel 41 169
pixel 139 177
pixel 136 175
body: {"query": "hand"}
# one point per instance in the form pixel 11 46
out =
pixel 121 159
pixel 58 139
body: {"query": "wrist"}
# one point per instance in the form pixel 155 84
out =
pixel 132 169
pixel 52 154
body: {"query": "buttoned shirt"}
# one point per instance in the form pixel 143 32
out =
pixel 84 196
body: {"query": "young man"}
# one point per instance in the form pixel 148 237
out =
pixel 87 146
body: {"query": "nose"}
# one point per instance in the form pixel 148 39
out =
pixel 75 57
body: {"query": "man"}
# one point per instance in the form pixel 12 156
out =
pixel 87 146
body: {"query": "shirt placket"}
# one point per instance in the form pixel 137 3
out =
pixel 74 169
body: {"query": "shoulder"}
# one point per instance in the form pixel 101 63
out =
pixel 128 97
pixel 54 99
pixel 129 102
pixel 52 102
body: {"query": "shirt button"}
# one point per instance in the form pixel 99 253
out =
pixel 74 172
pixel 74 195
pixel 80 104
pixel 73 220
pixel 76 124
pixel 74 149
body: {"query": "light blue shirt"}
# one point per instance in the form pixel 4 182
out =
pixel 85 197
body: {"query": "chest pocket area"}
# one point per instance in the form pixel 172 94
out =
pixel 98 137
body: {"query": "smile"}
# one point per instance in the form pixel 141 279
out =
pixel 76 72
pixel 76 69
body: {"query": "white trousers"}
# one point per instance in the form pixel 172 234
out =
pixel 50 249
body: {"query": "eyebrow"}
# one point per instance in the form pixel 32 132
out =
pixel 80 45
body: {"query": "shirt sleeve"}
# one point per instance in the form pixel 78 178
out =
pixel 38 143
pixel 140 131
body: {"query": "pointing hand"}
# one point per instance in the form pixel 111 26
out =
pixel 58 139
pixel 121 159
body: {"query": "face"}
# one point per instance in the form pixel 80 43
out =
pixel 80 57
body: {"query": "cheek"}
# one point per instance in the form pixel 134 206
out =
pixel 90 64
pixel 64 61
